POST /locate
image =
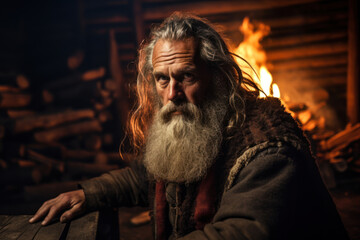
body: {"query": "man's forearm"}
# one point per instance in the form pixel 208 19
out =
pixel 116 188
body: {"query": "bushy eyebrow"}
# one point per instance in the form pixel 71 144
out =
pixel 158 74
pixel 191 69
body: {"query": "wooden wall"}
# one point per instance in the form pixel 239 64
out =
pixel 306 48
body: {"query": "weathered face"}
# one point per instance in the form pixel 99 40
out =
pixel 179 74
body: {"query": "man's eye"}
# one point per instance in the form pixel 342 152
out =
pixel 188 77
pixel 162 80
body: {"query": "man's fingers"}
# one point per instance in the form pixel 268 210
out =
pixel 72 200
pixel 53 212
pixel 41 212
pixel 70 214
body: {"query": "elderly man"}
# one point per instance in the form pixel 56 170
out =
pixel 213 160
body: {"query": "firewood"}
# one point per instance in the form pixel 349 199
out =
pixel 19 113
pixel 53 163
pixel 9 89
pixel 93 142
pixel 320 95
pixel 18 81
pixel 24 162
pixel 101 106
pixel 323 135
pixel 9 100
pixel 74 79
pixel 22 82
pixel 304 116
pixel 108 139
pixel 296 107
pixel 310 126
pixel 68 130
pixel 78 155
pixel 141 219
pixel 49 149
pixel 93 74
pixel 75 60
pixel 110 85
pixel 343 138
pixel 81 93
pixel 50 120
pixel 105 116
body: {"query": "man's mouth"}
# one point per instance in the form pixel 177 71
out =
pixel 177 113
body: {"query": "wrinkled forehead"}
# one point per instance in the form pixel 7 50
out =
pixel 170 51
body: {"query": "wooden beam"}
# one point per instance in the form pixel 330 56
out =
pixel 312 73
pixel 273 42
pixel 353 78
pixel 138 21
pixel 286 22
pixel 314 62
pixel 218 7
pixel 310 50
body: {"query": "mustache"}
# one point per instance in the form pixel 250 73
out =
pixel 188 110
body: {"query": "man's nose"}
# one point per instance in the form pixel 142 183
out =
pixel 175 91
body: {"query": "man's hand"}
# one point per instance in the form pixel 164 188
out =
pixel 71 203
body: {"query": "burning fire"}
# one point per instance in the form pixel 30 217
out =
pixel 251 50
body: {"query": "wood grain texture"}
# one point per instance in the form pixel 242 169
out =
pixel 78 231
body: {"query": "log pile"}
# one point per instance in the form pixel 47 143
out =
pixel 62 130
pixel 336 151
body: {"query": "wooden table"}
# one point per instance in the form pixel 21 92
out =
pixel 89 227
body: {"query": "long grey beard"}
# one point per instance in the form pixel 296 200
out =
pixel 181 148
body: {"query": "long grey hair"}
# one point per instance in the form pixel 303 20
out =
pixel 213 51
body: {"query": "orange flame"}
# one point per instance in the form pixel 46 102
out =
pixel 251 50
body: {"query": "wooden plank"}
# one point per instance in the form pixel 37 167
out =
pixel 217 7
pixel 310 50
pixel 50 232
pixel 302 39
pixel 14 227
pixel 285 22
pixel 84 227
pixel 314 62
pixel 310 73
pixel 30 231
pixel 138 21
pixel 4 219
pixel 353 79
